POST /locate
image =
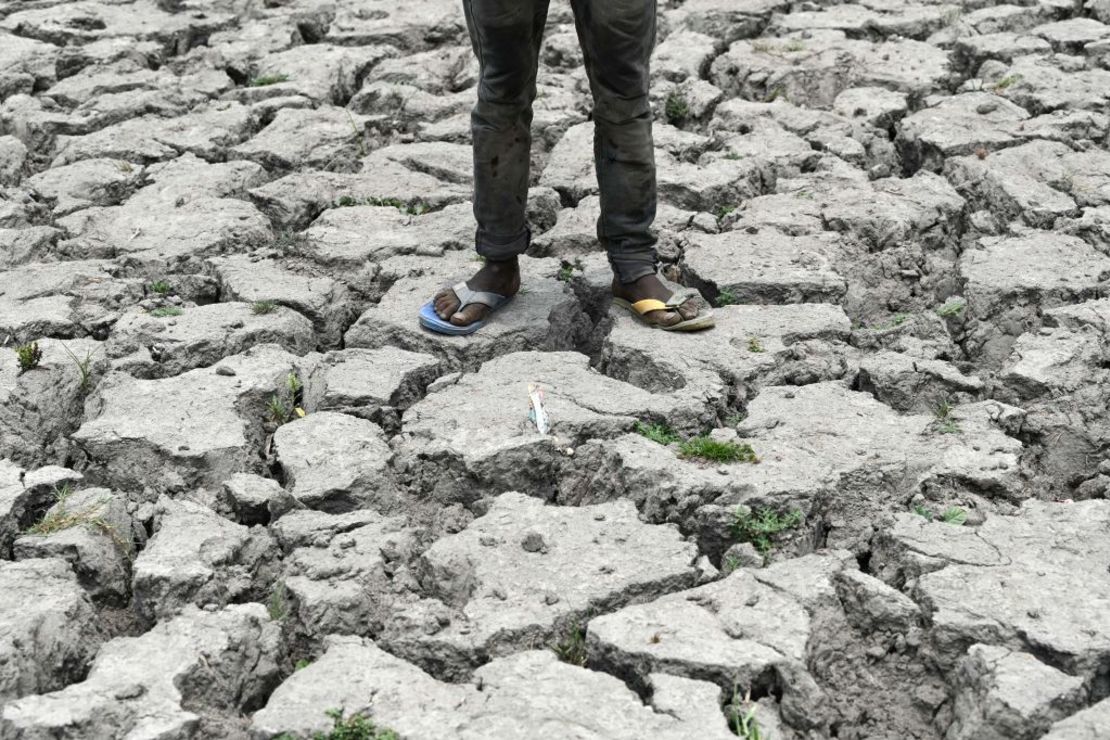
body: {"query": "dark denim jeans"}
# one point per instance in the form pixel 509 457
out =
pixel 617 37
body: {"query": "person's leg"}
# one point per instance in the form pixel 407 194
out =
pixel 617 38
pixel 506 35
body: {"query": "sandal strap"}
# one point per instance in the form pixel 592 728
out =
pixel 648 304
pixel 468 297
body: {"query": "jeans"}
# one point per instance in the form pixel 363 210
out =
pixel 617 37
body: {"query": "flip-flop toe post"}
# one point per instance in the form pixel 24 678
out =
pixel 640 309
pixel 431 321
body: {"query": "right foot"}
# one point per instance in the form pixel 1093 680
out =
pixel 494 277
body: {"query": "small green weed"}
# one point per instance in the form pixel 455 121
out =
pixel 761 528
pixel 1006 82
pixel 676 109
pixel 734 156
pixel 946 424
pixel 278 606
pixel 161 287
pixel 260 308
pixel 743 722
pixel 794 45
pixel 572 647
pixel 895 321
pixel 713 450
pixel 29 356
pixel 660 433
pixel 723 211
pixel 566 272
pixel 354 727
pixel 84 365
pixel 754 345
pixel 165 311
pixel 727 297
pixel 951 309
pixel 285 405
pixel 954 515
pixel 270 79
pixel 301 664
pixel 357 134
pixel 411 209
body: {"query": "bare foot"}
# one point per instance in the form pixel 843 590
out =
pixel 494 277
pixel 650 286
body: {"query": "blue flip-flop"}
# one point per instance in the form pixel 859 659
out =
pixel 431 321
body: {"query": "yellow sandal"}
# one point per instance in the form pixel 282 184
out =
pixel 647 305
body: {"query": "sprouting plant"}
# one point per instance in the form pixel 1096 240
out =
pixel 29 356
pixel 161 287
pixel 345 201
pixel 761 528
pixel 754 345
pixel 744 723
pixel 354 727
pixel 1006 82
pixel 734 156
pixel 676 109
pixel 566 271
pixel 803 194
pixel 706 448
pixel 730 564
pixel 723 211
pixel 571 648
pixel 946 424
pixel 895 321
pixel 277 606
pixel 301 664
pixel 269 79
pixel 773 95
pixel 124 167
pixel 660 433
pixel 733 420
pixel 164 311
pixel 263 307
pixel 289 242
pixel 951 308
pixel 794 45
pixel 727 297
pixel 357 134
pixel 921 511
pixel 285 405
pixel 84 365
pixel 954 515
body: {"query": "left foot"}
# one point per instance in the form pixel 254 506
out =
pixel 650 286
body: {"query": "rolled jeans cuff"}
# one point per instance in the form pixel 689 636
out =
pixel 497 248
pixel 630 266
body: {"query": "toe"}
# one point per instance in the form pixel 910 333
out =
pixel 468 315
pixel 689 309
pixel 445 303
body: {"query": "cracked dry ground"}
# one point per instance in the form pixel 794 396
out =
pixel 217 214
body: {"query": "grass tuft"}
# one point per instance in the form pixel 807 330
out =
pixel 660 433
pixel 762 527
pixel 706 448
pixel 29 356
pixel 84 365
pixel 164 311
pixel 572 647
pixel 260 308
pixel 676 109
pixel 727 297
pixel 270 79
pixel 161 287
